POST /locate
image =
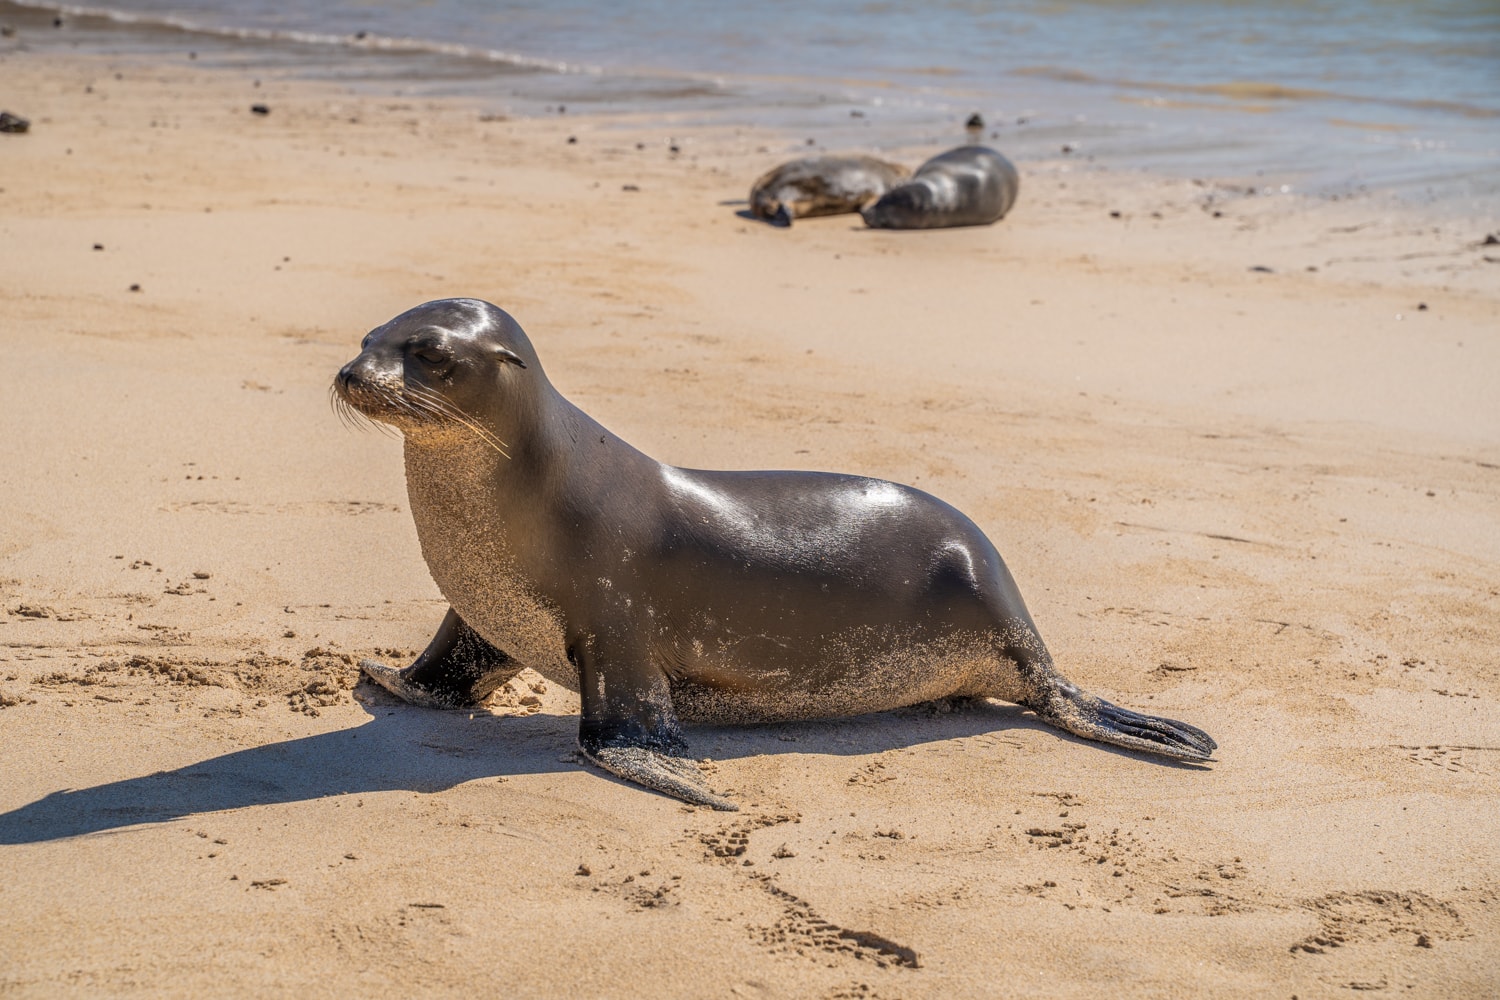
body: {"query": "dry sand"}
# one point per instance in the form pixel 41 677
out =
pixel 1266 502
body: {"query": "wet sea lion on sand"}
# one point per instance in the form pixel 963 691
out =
pixel 660 593
pixel 822 185
pixel 967 186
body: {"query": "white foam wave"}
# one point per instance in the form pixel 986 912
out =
pixel 361 41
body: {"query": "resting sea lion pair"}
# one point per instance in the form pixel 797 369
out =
pixel 662 594
pixel 822 185
pixel 967 186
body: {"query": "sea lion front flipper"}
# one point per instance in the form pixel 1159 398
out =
pixel 678 777
pixel 458 669
pixel 629 724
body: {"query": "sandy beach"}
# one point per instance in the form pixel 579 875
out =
pixel 1241 451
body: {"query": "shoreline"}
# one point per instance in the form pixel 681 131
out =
pixel 1254 500
pixel 1231 131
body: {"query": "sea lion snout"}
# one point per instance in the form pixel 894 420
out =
pixel 367 382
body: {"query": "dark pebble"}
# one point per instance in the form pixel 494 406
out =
pixel 674 148
pixel 98 246
pixel 1066 148
pixel 135 288
pixel 1493 239
pixel 572 140
pixel 8 30
pixel 1421 307
pixel 629 187
pixel 975 122
pixel 13 123
pixel 259 109
pixel 1114 215
pixel 1262 269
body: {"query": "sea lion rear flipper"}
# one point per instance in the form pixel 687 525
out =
pixel 458 669
pixel 678 777
pixel 1093 718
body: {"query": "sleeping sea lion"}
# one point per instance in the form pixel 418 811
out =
pixel 967 186
pixel 822 185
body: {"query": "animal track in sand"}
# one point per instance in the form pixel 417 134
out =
pixel 636 891
pixel 290 507
pixel 873 773
pixel 43 611
pixel 854 991
pixel 733 840
pixel 253 678
pixel 662 897
pixel 1452 758
pixel 1121 867
pixel 115 673
pixel 803 932
pixel 1348 918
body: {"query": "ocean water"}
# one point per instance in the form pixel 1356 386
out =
pixel 1324 96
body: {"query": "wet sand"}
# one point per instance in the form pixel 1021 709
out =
pixel 1240 452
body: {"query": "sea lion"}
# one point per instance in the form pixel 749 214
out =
pixel 822 185
pixel 662 594
pixel 967 186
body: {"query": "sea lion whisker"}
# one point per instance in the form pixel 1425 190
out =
pixel 434 404
pixel 443 407
pixel 334 401
pixel 353 418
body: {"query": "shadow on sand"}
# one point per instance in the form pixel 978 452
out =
pixel 403 748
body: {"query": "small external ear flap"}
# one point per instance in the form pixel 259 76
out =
pixel 506 354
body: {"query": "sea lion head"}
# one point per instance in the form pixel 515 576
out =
pixel 901 207
pixel 451 366
pixel 766 204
